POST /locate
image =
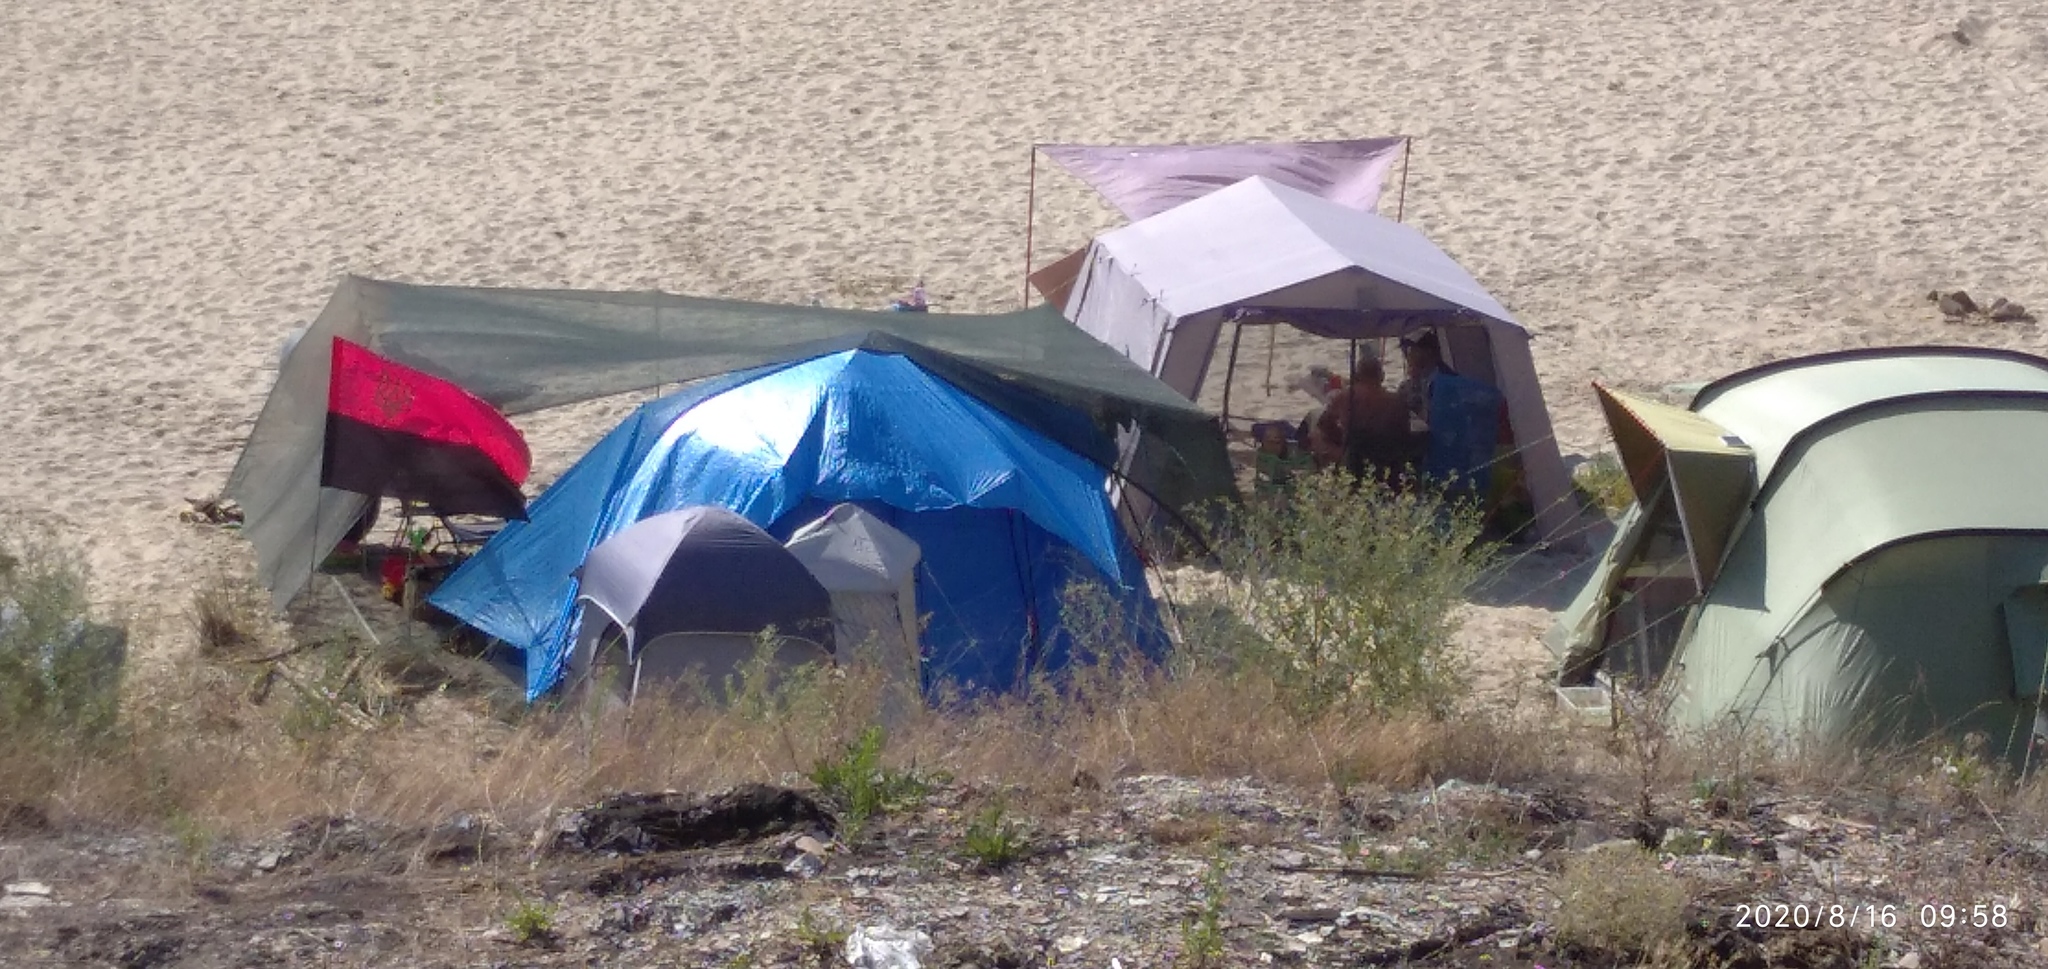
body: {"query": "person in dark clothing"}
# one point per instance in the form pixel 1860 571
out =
pixel 1425 360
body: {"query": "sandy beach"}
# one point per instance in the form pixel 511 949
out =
pixel 1661 190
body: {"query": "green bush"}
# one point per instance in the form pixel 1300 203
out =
pixel 531 923
pixel 993 841
pixel 1352 590
pixel 1605 485
pixel 60 672
pixel 862 788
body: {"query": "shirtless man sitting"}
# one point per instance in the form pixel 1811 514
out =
pixel 1367 424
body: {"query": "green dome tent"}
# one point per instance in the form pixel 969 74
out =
pixel 1849 547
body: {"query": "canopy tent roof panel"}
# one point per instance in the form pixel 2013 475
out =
pixel 1259 240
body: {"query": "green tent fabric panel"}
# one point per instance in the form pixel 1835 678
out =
pixel 2026 635
pixel 1772 405
pixel 1911 640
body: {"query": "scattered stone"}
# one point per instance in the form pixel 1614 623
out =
pixel 269 860
pixel 805 865
pixel 460 839
pixel 810 846
pixel 22 818
pixel 28 888
pixel 1958 307
pixel 883 947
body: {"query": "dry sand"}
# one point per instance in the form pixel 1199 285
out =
pixel 1662 189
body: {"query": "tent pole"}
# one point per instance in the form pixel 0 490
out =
pixel 1030 222
pixel 405 585
pixel 1350 404
pixel 1407 150
pixel 1230 373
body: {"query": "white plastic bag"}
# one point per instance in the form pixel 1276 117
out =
pixel 882 947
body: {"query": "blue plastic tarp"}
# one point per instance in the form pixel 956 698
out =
pixel 773 442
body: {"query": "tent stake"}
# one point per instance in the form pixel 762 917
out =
pixel 1030 222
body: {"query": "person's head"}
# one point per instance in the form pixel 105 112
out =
pixel 1368 372
pixel 1273 439
pixel 1421 352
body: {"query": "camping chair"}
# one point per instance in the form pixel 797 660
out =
pixel 457 536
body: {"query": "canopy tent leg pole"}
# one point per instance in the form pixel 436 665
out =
pixel 405 587
pixel 1272 341
pixel 313 550
pixel 1030 222
pixel 1401 204
pixel 1230 373
pixel 1350 405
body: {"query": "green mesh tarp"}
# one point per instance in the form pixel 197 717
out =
pixel 526 350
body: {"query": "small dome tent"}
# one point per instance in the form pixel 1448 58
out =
pixel 870 571
pixel 694 589
pixel 1849 547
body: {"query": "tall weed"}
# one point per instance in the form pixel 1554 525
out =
pixel 1351 590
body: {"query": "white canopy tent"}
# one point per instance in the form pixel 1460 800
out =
pixel 1161 289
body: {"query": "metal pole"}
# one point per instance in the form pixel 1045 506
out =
pixel 1272 338
pixel 1030 221
pixel 1407 150
pixel 1230 373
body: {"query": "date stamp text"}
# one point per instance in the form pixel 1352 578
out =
pixel 1794 915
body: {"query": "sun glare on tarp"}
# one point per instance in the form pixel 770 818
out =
pixel 763 420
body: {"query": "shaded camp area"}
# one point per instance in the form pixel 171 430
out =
pixel 526 350
pixel 1844 547
pixel 1164 291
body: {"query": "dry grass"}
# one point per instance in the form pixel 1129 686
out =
pixel 1618 900
pixel 202 748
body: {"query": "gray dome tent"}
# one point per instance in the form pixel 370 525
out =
pixel 692 590
pixel 870 570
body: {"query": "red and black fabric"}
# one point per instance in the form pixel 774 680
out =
pixel 396 432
